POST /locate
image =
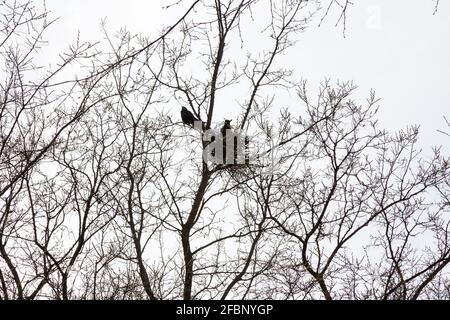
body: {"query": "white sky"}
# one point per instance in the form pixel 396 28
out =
pixel 398 48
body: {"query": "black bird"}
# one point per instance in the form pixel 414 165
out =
pixel 187 117
pixel 226 126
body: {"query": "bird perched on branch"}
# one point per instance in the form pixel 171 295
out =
pixel 223 131
pixel 226 126
pixel 187 117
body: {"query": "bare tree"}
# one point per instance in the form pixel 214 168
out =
pixel 105 194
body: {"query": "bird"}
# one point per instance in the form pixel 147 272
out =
pixel 187 117
pixel 226 126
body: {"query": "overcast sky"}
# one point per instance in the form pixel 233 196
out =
pixel 398 48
